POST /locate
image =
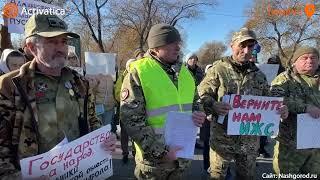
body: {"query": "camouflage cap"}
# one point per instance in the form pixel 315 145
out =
pixel 46 26
pixel 242 35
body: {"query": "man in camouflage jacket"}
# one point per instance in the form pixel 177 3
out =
pixel 43 102
pixel 233 75
pixel 299 85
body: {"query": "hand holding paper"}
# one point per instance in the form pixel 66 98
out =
pixel 180 133
pixel 198 118
pixel 172 154
pixel 221 108
pixel 313 111
pixel 283 111
pixel 110 143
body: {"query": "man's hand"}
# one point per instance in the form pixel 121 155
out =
pixel 313 111
pixel 283 111
pixel 110 143
pixel 172 154
pixel 198 118
pixel 221 108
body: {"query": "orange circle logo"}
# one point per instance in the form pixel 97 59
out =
pixel 10 10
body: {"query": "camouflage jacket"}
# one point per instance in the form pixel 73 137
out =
pixel 298 92
pixel 228 77
pixel 19 135
pixel 133 113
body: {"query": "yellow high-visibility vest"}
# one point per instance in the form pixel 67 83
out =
pixel 160 93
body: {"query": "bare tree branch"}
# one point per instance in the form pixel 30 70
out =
pixel 283 34
pixel 82 10
pixel 176 17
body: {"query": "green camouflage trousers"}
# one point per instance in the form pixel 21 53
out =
pixel 224 148
pixel 162 171
pixel 245 165
pixel 288 160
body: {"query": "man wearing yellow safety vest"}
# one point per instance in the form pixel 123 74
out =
pixel 155 85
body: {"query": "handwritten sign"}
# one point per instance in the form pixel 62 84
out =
pixel 80 159
pixel 254 115
pixel 308 134
pixel 100 63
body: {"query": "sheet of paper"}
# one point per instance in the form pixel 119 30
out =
pixel 308 134
pixel 225 98
pixel 180 131
pixel 100 63
pixel 270 70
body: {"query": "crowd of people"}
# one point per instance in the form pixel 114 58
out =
pixel 43 100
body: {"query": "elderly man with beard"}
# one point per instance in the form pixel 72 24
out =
pixel 43 102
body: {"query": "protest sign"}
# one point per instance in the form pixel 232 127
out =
pixel 308 134
pixel 80 159
pixel 26 9
pixel 270 70
pixel 100 63
pixel 254 115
